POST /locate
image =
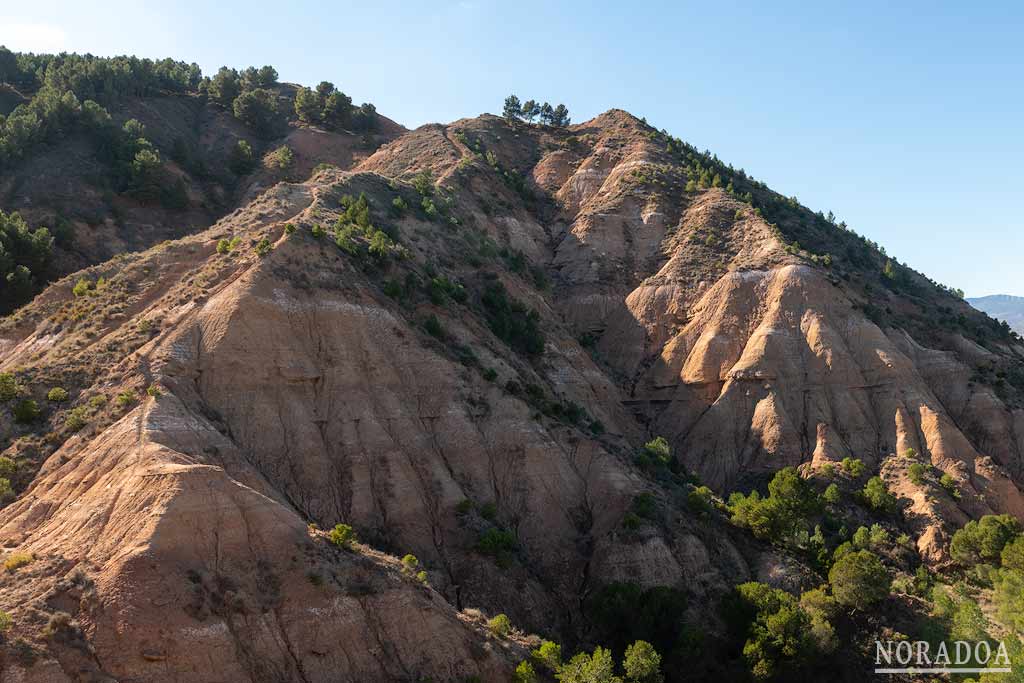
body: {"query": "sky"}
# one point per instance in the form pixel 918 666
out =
pixel 907 122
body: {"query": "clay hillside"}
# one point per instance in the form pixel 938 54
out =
pixel 469 402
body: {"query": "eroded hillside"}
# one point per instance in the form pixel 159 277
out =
pixel 458 347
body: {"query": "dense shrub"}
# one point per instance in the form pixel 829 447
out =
pixel 242 159
pixel 776 631
pixel 854 467
pixel 656 451
pixel 949 484
pixel 263 247
pixel 8 386
pixel 832 495
pixel 258 110
pixel 342 535
pixel 524 673
pixel 6 491
pixel 24 260
pixel 916 473
pixel 598 667
pixel 700 500
pixel 16 561
pixel 26 410
pixel 280 159
pixel 780 515
pixel 497 543
pixel 642 663
pixel 500 625
pixel 57 395
pixel 877 496
pixel 511 321
pixel 983 540
pixel 76 418
pixel 548 655
pixel 858 579
pixel 626 612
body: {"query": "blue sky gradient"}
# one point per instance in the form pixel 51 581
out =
pixel 907 122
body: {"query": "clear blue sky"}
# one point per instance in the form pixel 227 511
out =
pixel 907 122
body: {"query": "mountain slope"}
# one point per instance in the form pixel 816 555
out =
pixel 460 347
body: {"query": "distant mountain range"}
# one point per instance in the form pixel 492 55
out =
pixel 1003 307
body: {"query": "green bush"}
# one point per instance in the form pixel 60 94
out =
pixel 700 500
pixel 642 663
pixel 26 253
pixel 876 495
pixel 16 561
pixel 916 473
pixel 76 418
pixel 658 450
pixel 1012 556
pixel 548 655
pixel 430 209
pixel 983 540
pixel 125 398
pixel 598 667
pixel 7 467
pixel 5 621
pixel 424 183
pixel 500 625
pixel 8 386
pixel 410 564
pixel 497 543
pixel 858 579
pixel 223 246
pixel 289 228
pixel 280 159
pixel 525 673
pixel 511 321
pixel 622 613
pixel 263 247
pixel 949 484
pixel 790 502
pixel 832 495
pixel 242 160
pixel 775 629
pixel 433 327
pixel 854 467
pixel 342 535
pixel 26 410
pixel 81 287
pixel 6 491
pixel 57 395
pixel 318 231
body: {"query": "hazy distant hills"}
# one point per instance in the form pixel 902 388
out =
pixel 1003 307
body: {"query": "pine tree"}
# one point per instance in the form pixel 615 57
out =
pixel 530 110
pixel 513 109
pixel 560 116
pixel 546 112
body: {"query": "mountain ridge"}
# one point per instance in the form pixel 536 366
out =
pixel 1005 307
